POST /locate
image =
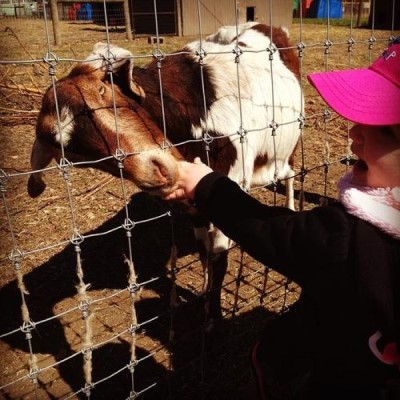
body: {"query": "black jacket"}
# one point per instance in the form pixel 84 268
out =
pixel 349 274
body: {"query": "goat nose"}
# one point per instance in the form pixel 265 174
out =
pixel 159 168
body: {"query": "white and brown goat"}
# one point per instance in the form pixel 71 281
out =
pixel 252 121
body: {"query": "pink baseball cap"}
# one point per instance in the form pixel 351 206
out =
pixel 369 96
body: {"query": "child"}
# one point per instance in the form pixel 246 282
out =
pixel 341 339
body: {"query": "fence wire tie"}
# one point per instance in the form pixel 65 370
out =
pixel 300 47
pixel 348 160
pixel 328 45
pixel 52 61
pixel 165 144
pixel 76 240
pixel 16 256
pixel 271 50
pixel 131 366
pixel 303 173
pixel 87 389
pixel 64 166
pixel 327 115
pixel 350 42
pixel 128 224
pixel 275 184
pixel 159 56
pixel 84 306
pixel 87 351
pixel 4 177
pixel 133 288
pixel 302 120
pixel 133 328
pixel 274 126
pixel 133 395
pixel 120 156
pixel 208 139
pixel 242 134
pixel 109 59
pixel 201 54
pixel 27 327
pixel 33 374
pixel 238 52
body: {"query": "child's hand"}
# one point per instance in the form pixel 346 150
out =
pixel 189 176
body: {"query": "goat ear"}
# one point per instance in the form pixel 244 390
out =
pixel 104 55
pixel 122 65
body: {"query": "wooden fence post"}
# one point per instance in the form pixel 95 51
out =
pixel 56 22
pixel 128 25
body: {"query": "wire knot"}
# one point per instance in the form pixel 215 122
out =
pixel 27 328
pixel 132 365
pixel 328 45
pixel 300 47
pixel 33 374
pixel 52 61
pixel 128 224
pixel 159 56
pixel 238 52
pixel 16 256
pixel 133 288
pixel 76 240
pixel 302 121
pixel 119 155
pixel 87 389
pixel 165 144
pixel 271 50
pixel 84 307
pixel 133 328
pixel 133 395
pixel 109 58
pixel 201 54
pixel 242 134
pixel 274 126
pixel 4 177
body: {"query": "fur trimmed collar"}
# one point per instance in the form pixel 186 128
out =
pixel 378 206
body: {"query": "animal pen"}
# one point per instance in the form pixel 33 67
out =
pixel 100 282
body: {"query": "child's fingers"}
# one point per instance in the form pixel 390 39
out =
pixel 175 195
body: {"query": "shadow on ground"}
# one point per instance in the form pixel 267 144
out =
pixel 207 365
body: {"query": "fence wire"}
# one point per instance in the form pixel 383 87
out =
pixel 248 286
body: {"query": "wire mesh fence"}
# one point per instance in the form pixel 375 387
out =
pixel 100 281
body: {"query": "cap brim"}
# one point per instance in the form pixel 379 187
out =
pixel 360 95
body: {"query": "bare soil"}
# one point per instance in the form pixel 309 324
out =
pixel 178 358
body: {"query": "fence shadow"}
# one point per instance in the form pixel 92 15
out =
pixel 105 267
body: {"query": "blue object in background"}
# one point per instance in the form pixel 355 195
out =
pixel 335 8
pixel 85 12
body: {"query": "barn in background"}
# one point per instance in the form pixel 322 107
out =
pixel 181 17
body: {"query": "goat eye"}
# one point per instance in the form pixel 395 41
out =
pixel 102 90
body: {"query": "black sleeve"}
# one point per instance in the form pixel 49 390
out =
pixel 293 243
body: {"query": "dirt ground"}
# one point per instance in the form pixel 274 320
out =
pixel 171 353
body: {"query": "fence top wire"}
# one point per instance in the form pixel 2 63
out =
pixel 53 61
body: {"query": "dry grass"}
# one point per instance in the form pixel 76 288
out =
pixel 210 366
